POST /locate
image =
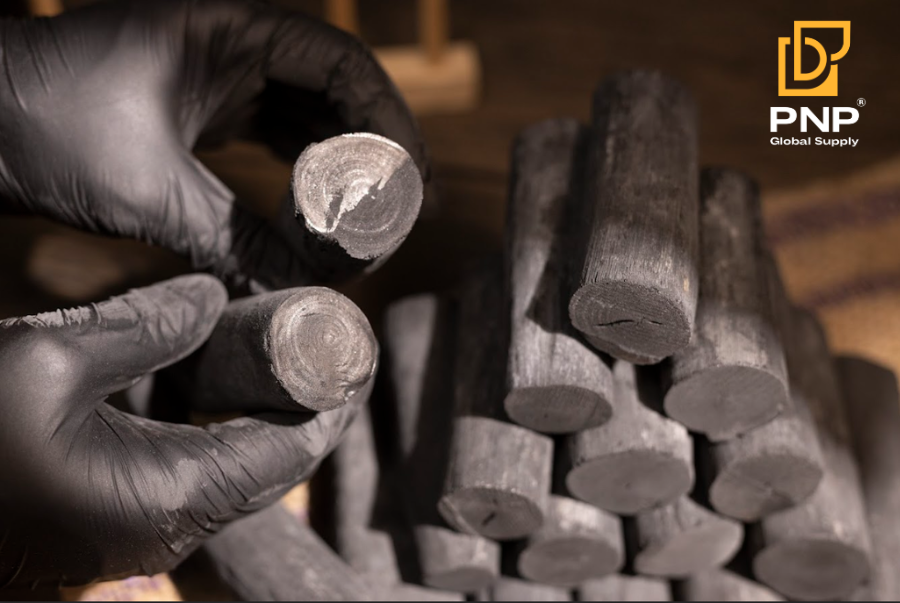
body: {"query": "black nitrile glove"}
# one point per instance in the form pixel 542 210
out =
pixel 101 107
pixel 87 491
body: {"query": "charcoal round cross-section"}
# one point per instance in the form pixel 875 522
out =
pixel 752 486
pixel 576 542
pixel 308 348
pixel 638 459
pixel 630 321
pixel 352 189
pixel 321 346
pixel 631 480
pixel 357 197
pixel 776 465
pixel 725 401
pixel 683 538
pixel 557 383
pixel 731 377
pixel 812 569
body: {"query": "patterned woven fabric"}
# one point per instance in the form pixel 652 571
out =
pixel 838 245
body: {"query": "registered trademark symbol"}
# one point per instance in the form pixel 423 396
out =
pixel 860 102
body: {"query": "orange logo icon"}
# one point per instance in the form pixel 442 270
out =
pixel 829 87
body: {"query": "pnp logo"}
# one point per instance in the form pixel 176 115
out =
pixel 829 87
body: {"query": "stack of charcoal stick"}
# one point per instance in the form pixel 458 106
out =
pixel 626 406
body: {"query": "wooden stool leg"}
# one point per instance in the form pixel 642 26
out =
pixel 343 14
pixel 45 8
pixel 433 28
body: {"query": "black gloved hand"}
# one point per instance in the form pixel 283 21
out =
pixel 87 491
pixel 101 107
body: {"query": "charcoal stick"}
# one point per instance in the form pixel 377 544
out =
pixel 499 474
pixel 308 348
pixel 556 383
pixel 638 459
pixel 356 476
pixel 732 376
pixel 777 465
pixel 820 548
pixel 272 556
pixel 873 412
pixel 418 335
pixel 636 282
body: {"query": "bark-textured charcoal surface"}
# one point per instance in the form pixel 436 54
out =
pixel 499 474
pixel 873 413
pixel 732 376
pixel 419 334
pixel 635 255
pixel 557 384
pixel 820 548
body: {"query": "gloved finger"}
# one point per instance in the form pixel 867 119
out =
pixel 273 452
pixel 108 346
pixel 218 473
pixel 313 55
pixel 176 203
pixel 304 55
pixel 127 495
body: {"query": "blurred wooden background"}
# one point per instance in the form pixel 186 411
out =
pixel 833 213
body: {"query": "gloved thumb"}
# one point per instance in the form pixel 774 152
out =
pixel 106 347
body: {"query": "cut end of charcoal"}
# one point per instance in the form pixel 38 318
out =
pixel 491 512
pixel 322 348
pixel 748 489
pixel 569 561
pixel 726 401
pixel 630 321
pixel 361 191
pixel 812 569
pixel 631 481
pixel 557 408
pixel 705 546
